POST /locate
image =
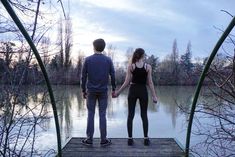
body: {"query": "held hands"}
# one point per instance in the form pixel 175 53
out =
pixel 84 94
pixel 114 94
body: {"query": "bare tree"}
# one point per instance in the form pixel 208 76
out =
pixel 60 43
pixel 111 51
pixel 20 119
pixel 68 42
pixel 175 60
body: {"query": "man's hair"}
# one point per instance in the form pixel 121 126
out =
pixel 99 45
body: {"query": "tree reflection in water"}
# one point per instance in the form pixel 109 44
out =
pixel 165 118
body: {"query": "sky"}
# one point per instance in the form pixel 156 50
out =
pixel 150 24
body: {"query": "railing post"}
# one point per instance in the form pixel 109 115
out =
pixel 33 47
pixel 202 77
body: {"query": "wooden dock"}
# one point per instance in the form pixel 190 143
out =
pixel 159 147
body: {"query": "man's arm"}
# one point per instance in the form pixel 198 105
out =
pixel 84 77
pixel 112 74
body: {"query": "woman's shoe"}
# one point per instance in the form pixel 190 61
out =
pixel 146 141
pixel 130 141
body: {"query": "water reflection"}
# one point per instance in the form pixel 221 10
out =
pixel 171 97
pixel 165 119
pixel 72 112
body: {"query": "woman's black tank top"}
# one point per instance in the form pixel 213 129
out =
pixel 139 75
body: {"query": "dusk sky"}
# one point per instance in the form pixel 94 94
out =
pixel 150 24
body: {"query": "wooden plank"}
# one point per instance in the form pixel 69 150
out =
pixel 159 147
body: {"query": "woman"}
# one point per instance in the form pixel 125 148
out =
pixel 139 74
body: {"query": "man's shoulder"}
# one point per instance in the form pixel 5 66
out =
pixel 103 57
pixel 107 57
pixel 89 57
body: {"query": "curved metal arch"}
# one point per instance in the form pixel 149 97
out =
pixel 33 47
pixel 202 77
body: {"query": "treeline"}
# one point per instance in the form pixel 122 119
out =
pixel 172 70
pixel 18 66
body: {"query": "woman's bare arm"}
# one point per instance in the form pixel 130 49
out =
pixel 150 83
pixel 126 82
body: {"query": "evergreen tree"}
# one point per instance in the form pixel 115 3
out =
pixel 154 62
pixel 185 60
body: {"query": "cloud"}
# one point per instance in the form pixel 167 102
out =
pixel 151 24
pixel 121 5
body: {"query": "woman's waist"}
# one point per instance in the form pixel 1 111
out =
pixel 138 88
pixel 132 84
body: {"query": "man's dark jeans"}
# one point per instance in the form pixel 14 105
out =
pixel 102 98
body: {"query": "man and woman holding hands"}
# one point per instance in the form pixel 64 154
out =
pixel 96 71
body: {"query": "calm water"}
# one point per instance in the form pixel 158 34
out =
pixel 165 118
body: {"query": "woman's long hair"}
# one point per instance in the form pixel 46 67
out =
pixel 138 53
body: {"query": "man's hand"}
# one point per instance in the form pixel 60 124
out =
pixel 113 94
pixel 84 95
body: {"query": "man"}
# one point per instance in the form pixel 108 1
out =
pixel 95 78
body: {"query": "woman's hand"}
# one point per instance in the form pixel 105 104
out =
pixel 154 99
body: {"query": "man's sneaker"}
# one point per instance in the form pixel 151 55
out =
pixel 105 142
pixel 130 141
pixel 146 141
pixel 87 142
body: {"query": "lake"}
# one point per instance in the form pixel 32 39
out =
pixel 165 118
